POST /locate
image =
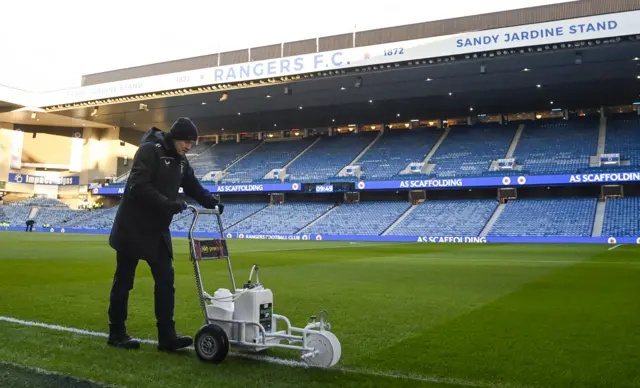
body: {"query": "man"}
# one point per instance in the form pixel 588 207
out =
pixel 30 223
pixel 141 228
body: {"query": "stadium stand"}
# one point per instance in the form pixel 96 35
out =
pixel 455 217
pixel 233 213
pixel 363 218
pixel 199 148
pixel 623 136
pixel 395 149
pixel 16 214
pixel 221 156
pixel 270 155
pixel 469 150
pixel 546 217
pixel 96 219
pixel 327 157
pixel 556 146
pixel 285 218
pixel 42 201
pixel 621 217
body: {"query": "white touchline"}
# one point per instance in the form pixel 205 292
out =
pixel 614 247
pixel 274 360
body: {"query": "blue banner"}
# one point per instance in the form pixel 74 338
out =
pixel 44 180
pixel 522 180
pixel 372 238
pixel 242 188
pixel 493 181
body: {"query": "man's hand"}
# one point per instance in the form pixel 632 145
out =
pixel 177 207
pixel 211 203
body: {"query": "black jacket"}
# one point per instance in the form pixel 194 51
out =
pixel 141 225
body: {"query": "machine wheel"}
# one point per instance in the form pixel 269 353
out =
pixel 328 347
pixel 211 343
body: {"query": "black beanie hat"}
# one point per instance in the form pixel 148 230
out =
pixel 183 129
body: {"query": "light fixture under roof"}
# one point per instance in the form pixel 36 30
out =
pixel 551 102
pixel 428 80
pixel 471 109
pixel 239 113
pixel 343 88
pixel 300 107
pixel 370 101
pixel 451 94
pixel 538 86
pixel 268 96
pixel 333 120
pixel 204 103
pixel 636 59
pixel 526 69
pixel 398 115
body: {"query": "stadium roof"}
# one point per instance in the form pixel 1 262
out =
pixel 582 73
pixel 7 106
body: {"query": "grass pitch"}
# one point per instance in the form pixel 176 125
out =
pixel 407 315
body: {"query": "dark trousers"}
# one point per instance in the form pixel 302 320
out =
pixel 164 292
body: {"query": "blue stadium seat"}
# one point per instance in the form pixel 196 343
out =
pixel 363 218
pixel 327 157
pixel 458 217
pixel 469 150
pixel 221 156
pixel 623 137
pixel 270 155
pixel 285 218
pixel 557 146
pixel 395 150
pixel 546 217
pixel 621 217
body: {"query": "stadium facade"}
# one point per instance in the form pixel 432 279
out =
pixel 519 126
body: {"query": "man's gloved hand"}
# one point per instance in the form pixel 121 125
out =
pixel 211 203
pixel 177 206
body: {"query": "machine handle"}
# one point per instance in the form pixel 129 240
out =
pixel 196 212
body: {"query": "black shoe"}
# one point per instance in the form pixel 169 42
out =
pixel 173 342
pixel 123 340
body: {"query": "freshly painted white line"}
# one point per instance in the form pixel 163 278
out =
pixel 279 361
pixel 614 247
